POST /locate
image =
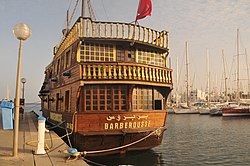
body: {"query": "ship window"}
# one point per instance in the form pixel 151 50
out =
pixel 131 56
pixel 120 54
pixel 50 74
pixel 67 101
pixel 67 60
pixel 48 106
pixel 58 66
pixel 96 52
pixel 142 99
pixel 102 49
pixel 57 101
pixel 151 58
pixel 105 98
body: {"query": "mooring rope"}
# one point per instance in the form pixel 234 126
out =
pixel 120 147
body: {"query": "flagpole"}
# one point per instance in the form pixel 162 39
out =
pixel 135 23
pixel 144 9
pixel 137 11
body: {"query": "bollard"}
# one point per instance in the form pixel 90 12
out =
pixel 41 135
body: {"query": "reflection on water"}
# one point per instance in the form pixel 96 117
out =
pixel 141 158
pixel 205 140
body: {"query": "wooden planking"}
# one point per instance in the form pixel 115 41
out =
pixel 96 121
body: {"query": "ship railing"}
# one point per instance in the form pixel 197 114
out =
pixel 125 71
pixel 124 31
pixel 86 28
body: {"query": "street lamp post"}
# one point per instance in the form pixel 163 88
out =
pixel 21 32
pixel 23 80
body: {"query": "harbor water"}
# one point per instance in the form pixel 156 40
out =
pixel 190 140
pixel 194 140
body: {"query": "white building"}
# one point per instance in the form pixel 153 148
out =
pixel 197 95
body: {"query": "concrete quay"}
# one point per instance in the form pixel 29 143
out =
pixel 27 146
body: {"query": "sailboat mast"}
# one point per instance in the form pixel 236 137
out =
pixel 8 93
pixel 208 79
pixel 177 83
pixel 225 77
pixel 187 72
pixel 248 83
pixel 238 66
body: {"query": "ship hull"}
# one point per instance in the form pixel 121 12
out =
pixel 112 136
pixel 235 112
pixel 96 145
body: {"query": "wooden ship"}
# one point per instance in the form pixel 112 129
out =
pixel 107 85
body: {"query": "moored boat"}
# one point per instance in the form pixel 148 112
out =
pixel 204 111
pixel 216 112
pixel 107 85
pixel 186 111
pixel 236 111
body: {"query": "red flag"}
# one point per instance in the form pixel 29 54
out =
pixel 144 9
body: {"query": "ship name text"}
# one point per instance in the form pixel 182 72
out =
pixel 126 122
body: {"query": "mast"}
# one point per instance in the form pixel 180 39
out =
pixel 225 77
pixel 248 83
pixel 8 93
pixel 238 66
pixel 208 80
pixel 83 8
pixel 67 22
pixel 177 83
pixel 187 73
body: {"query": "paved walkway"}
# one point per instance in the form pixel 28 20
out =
pixel 27 146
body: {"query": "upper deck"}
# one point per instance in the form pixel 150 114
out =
pixel 85 28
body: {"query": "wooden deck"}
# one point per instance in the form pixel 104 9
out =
pixel 27 146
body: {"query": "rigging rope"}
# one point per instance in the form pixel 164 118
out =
pixel 105 11
pixel 73 13
pixel 91 11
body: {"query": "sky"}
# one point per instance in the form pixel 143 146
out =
pixel 205 24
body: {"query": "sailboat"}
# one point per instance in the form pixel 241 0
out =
pixel 185 108
pixel 107 85
pixel 217 111
pixel 240 109
pixel 205 109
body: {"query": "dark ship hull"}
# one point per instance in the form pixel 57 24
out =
pixel 140 131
